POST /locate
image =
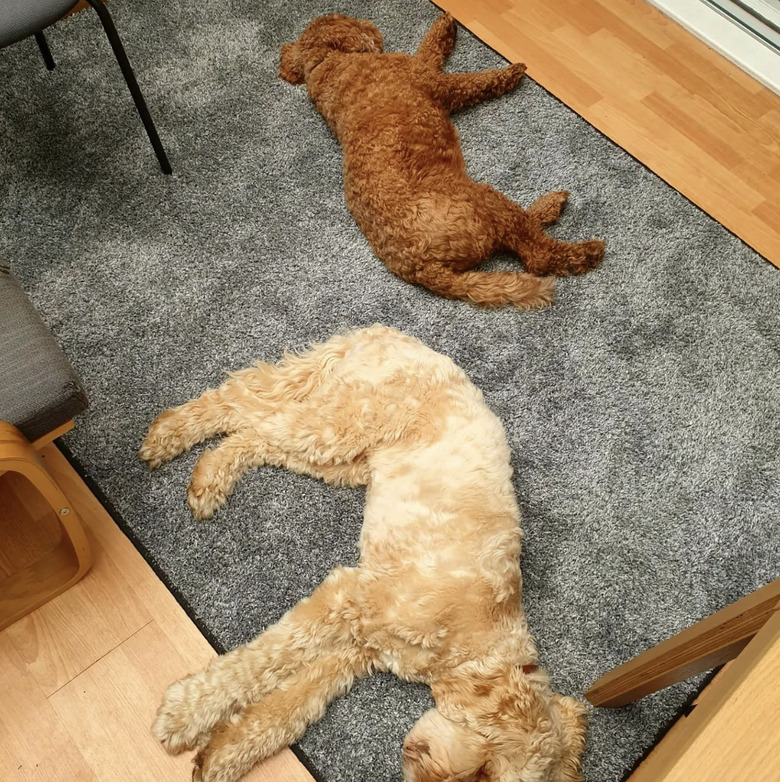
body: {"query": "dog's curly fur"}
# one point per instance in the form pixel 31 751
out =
pixel 405 178
pixel 436 597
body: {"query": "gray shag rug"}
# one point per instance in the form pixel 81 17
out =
pixel 641 409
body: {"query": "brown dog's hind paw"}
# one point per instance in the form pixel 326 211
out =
pixel 547 208
pixel 581 257
pixel 594 252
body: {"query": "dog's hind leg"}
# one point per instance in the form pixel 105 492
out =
pixel 219 469
pixel 547 208
pixel 257 390
pixel 315 628
pixel 437 45
pixel 278 719
pixel 522 233
pixel 490 289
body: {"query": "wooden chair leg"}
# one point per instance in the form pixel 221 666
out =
pixel 65 564
pixel 707 644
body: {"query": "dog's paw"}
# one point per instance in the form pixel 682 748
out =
pixel 210 486
pixel 204 498
pixel 593 251
pixel 229 754
pixel 160 444
pixel 547 208
pixel 581 257
pixel 515 72
pixel 177 726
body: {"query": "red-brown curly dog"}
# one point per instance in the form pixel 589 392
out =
pixel 405 179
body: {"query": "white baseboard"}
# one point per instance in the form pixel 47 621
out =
pixel 739 46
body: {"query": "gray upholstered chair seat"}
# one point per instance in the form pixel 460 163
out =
pixel 39 389
pixel 21 18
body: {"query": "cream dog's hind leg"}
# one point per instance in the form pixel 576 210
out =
pixel 180 428
pixel 317 628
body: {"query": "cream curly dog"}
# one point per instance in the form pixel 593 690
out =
pixel 436 596
pixel 405 179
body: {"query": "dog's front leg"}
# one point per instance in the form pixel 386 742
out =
pixel 279 719
pixel 316 626
pixel 465 89
pixel 438 43
pixel 178 429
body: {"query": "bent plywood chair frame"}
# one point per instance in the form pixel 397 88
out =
pixel 67 562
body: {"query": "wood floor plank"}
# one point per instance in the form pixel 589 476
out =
pixel 158 600
pixel 634 21
pixel 34 745
pixel 733 733
pixel 56 648
pixel 115 700
pixel 119 696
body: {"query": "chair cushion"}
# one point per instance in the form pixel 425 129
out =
pixel 39 389
pixel 20 18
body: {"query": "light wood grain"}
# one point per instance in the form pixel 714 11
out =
pixel 34 745
pixel 40 579
pixel 701 647
pixel 56 648
pixel 85 673
pixel 707 128
pixel 733 733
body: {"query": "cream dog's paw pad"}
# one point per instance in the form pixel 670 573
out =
pixel 162 443
pixel 175 727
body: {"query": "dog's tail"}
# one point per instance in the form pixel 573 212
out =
pixel 489 289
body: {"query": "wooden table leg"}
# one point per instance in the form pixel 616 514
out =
pixel 707 644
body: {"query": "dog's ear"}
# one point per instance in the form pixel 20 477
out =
pixel 371 38
pixel 291 65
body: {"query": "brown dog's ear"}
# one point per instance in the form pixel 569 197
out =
pixel 371 38
pixel 291 65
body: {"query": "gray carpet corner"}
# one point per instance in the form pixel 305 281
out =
pixel 641 409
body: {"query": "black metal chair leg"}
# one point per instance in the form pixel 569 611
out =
pixel 45 51
pixel 132 84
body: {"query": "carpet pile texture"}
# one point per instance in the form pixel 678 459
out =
pixel 641 408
